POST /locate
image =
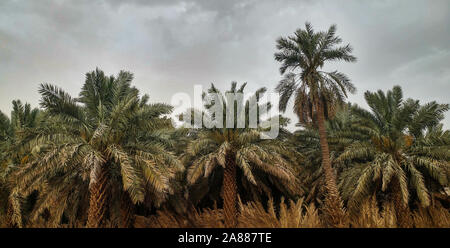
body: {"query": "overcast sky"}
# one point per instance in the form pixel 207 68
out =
pixel 172 45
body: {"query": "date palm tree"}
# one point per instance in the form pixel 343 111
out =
pixel 340 134
pixel 233 149
pixel 316 93
pixel 400 151
pixel 5 138
pixel 13 133
pixel 102 148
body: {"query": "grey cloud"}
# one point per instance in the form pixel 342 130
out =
pixel 171 45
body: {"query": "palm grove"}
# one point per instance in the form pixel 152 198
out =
pixel 109 158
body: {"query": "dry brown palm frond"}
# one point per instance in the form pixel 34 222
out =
pixel 297 215
pixel 163 219
pixel 207 218
pixel 371 216
pixel 431 217
pixel 291 215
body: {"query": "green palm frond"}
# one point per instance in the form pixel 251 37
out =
pixel 108 127
pixel 402 144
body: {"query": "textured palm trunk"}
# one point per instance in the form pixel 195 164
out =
pixel 334 208
pixel 9 217
pixel 126 211
pixel 98 197
pixel 401 209
pixel 230 191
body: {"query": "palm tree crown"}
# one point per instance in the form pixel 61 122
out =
pixel 108 140
pixel 261 162
pixel 396 152
pixel 308 51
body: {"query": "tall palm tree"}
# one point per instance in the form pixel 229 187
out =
pixel 396 152
pixel 106 144
pixel 13 133
pixel 5 134
pixel 340 134
pixel 233 149
pixel 5 137
pixel 317 93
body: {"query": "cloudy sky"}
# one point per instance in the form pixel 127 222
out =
pixel 172 45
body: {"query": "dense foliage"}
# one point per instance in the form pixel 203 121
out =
pixel 110 158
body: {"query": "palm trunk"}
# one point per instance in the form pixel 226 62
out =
pixel 9 217
pixel 126 211
pixel 98 197
pixel 334 208
pixel 401 209
pixel 230 191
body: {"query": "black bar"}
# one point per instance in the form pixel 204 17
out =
pixel 226 238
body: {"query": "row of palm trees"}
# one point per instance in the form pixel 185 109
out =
pixel 101 158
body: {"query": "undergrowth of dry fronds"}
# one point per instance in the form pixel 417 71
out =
pixel 298 214
pixel 208 218
pixel 288 215
pixel 371 216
